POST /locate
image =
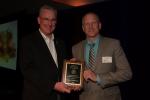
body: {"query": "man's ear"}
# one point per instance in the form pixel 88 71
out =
pixel 38 20
pixel 100 26
pixel 82 27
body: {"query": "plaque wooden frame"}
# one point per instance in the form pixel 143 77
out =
pixel 73 73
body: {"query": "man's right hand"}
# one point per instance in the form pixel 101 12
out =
pixel 89 75
pixel 62 87
pixel 73 59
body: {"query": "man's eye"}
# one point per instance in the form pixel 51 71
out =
pixel 46 19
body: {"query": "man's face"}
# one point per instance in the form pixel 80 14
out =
pixel 91 25
pixel 47 21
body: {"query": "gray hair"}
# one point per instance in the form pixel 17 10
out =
pixel 48 8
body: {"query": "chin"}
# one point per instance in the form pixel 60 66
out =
pixel 92 36
pixel 48 32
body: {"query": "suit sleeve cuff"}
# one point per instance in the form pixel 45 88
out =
pixel 98 81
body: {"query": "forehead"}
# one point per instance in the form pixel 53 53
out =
pixel 90 17
pixel 47 13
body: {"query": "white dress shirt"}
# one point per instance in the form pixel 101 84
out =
pixel 51 46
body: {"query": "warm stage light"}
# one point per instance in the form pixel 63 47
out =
pixel 75 3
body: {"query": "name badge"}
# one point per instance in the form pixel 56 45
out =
pixel 106 59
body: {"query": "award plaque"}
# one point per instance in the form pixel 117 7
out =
pixel 72 73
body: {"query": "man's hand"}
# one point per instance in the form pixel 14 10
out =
pixel 89 75
pixel 61 87
pixel 75 87
pixel 73 59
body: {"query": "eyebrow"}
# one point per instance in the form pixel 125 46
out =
pixel 45 18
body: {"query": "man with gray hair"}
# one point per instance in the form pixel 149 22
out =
pixel 41 60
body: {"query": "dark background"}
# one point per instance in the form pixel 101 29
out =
pixel 121 19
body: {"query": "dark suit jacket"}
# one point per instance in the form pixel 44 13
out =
pixel 39 69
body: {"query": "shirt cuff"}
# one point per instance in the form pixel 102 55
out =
pixel 98 81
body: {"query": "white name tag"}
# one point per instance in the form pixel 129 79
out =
pixel 106 59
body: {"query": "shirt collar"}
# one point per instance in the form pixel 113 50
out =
pixel 45 37
pixel 95 40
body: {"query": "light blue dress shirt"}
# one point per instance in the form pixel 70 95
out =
pixel 96 41
pixel 87 48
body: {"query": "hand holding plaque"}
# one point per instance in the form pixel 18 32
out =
pixel 73 73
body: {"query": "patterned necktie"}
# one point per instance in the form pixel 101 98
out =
pixel 92 57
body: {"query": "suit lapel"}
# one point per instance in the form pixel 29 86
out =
pixel 82 50
pixel 43 47
pixel 100 52
pixel 58 51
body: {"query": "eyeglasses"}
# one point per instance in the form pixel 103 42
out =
pixel 53 20
pixel 90 24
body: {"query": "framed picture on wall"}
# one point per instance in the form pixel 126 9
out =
pixel 8 44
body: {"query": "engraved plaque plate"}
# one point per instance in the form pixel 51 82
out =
pixel 73 73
